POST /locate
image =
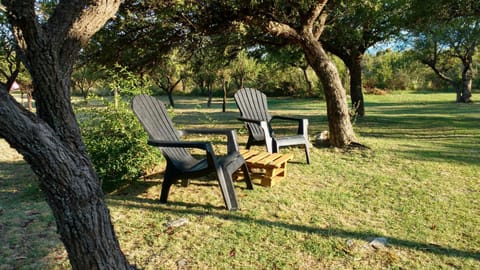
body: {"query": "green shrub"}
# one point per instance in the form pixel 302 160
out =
pixel 116 143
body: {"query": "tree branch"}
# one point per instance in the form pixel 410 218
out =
pixel 25 28
pixel 433 66
pixel 92 19
pixel 49 47
pixel 86 23
pixel 318 29
pixel 312 16
pixel 281 30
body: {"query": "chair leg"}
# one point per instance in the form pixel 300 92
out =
pixel 185 182
pixel 227 188
pixel 165 190
pixel 168 180
pixel 246 175
pixel 274 147
pixel 307 153
pixel 249 143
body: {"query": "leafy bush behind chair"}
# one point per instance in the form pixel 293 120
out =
pixel 116 143
pixel 115 140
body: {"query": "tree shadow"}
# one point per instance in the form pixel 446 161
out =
pixel 136 189
pixel 325 232
pixel 469 153
pixel 13 175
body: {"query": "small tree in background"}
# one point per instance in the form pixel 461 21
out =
pixel 86 78
pixel 205 65
pixel 126 83
pixel 243 69
pixel 439 45
pixel 169 73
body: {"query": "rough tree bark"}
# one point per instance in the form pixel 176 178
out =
pixel 210 93
pixel 341 132
pixel 352 57
pixel 50 140
pixel 225 90
pixel 467 78
pixel 356 94
pixel 340 128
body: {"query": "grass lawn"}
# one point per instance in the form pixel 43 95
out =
pixel 418 187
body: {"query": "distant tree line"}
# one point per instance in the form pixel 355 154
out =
pixel 387 69
pixel 176 55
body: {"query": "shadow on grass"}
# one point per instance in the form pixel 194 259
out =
pixel 12 179
pixel 467 154
pixel 326 232
pixel 446 131
pixel 18 183
pixel 418 115
pixel 137 188
pixel 422 107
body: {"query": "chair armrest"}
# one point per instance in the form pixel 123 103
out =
pixel 255 121
pixel 265 126
pixel 180 144
pixel 211 157
pixel 288 118
pixel 302 123
pixel 262 123
pixel 232 143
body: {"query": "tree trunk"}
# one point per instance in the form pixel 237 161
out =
pixel 168 88
pixel 210 94
pixel 29 101
pixel 50 140
pixel 307 80
pixel 340 128
pixel 356 93
pixel 71 187
pixel 224 101
pixel 184 85
pixel 201 84
pixel 341 132
pixel 467 78
pixel 352 58
pixel 115 98
pixel 170 98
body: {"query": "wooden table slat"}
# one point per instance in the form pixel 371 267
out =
pixel 273 167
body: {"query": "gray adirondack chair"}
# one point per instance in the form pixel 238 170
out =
pixel 254 113
pixel 180 163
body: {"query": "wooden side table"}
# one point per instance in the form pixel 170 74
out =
pixel 269 167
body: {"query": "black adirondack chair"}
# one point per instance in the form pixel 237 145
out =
pixel 254 113
pixel 180 163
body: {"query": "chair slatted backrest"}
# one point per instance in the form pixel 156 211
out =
pixel 252 104
pixel 157 123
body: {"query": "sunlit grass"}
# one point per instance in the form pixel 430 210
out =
pixel 418 187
